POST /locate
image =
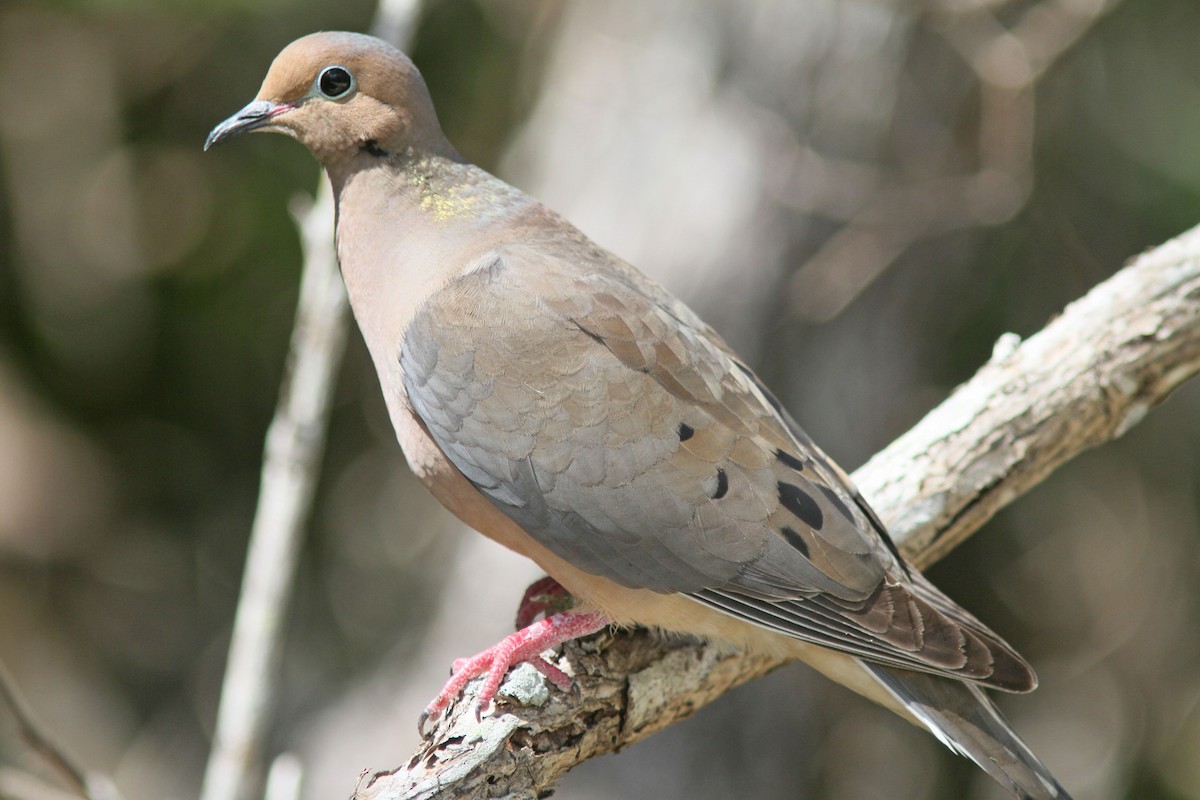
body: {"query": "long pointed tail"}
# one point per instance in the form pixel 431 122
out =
pixel 962 717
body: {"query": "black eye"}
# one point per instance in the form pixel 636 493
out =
pixel 335 81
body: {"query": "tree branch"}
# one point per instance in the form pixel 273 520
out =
pixel 893 212
pixel 16 784
pixel 1090 375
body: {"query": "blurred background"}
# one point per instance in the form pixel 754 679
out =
pixel 861 195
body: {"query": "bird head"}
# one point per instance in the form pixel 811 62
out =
pixel 338 94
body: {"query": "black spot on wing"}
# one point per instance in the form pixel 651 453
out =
pixel 686 431
pixel 837 503
pixel 722 484
pixel 800 503
pixel 794 538
pixel 790 460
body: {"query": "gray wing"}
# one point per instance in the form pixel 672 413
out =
pixel 621 433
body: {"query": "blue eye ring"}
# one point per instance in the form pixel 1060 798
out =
pixel 334 82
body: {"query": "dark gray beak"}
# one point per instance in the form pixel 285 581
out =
pixel 255 115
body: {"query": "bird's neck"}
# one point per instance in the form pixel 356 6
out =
pixel 406 225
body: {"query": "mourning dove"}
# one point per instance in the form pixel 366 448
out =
pixel 562 403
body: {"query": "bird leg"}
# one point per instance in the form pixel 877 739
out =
pixel 526 645
pixel 544 597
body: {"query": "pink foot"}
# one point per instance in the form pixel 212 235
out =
pixel 544 597
pixel 526 644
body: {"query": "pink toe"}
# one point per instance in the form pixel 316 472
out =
pixel 526 644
